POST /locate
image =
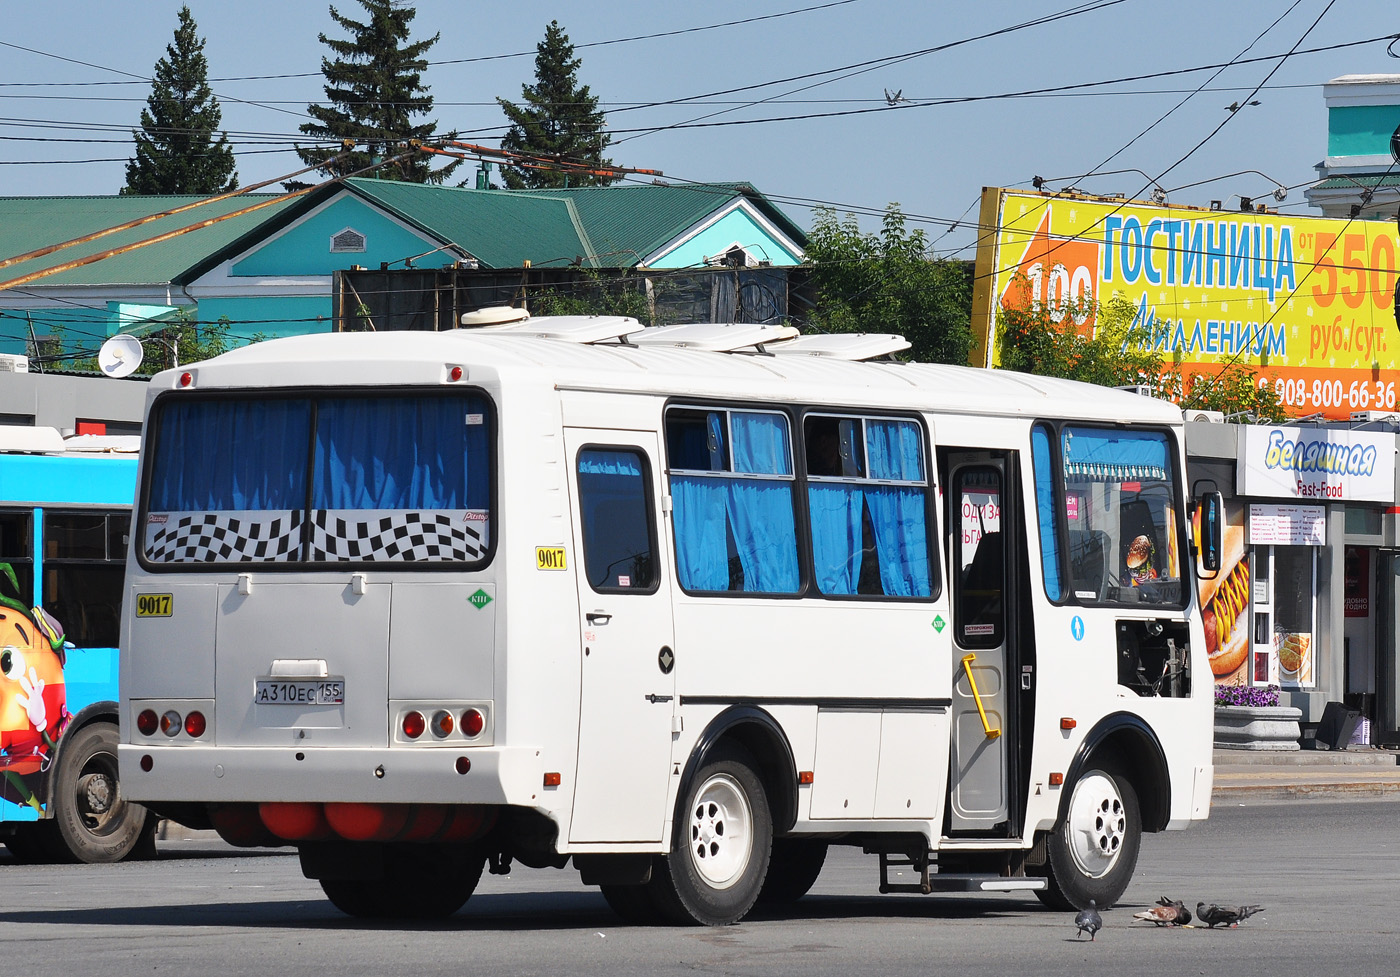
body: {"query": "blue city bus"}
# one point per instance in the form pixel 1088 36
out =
pixel 65 518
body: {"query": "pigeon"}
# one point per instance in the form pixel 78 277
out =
pixel 1214 915
pixel 1089 921
pixel 1167 912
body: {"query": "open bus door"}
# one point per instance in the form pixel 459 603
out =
pixel 983 550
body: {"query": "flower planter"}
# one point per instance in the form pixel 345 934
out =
pixel 1257 727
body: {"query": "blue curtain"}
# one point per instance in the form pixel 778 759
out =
pixel 761 444
pixel 698 511
pixel 895 449
pixel 897 516
pixel 765 533
pixel 836 536
pixel 1045 511
pixel 1105 455
pixel 231 455
pixel 399 453
pixel 595 462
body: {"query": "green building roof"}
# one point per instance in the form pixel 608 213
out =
pixel 31 223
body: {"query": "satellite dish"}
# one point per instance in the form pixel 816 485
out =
pixel 120 356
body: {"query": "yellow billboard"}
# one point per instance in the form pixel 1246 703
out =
pixel 1307 303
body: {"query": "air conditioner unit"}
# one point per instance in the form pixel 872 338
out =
pixel 1141 389
pixel 13 363
pixel 1205 416
pixel 1367 416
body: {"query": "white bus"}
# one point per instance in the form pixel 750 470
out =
pixel 684 606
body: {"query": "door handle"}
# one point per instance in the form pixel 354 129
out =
pixel 598 617
pixel 967 661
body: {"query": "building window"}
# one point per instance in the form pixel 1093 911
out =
pixel 348 240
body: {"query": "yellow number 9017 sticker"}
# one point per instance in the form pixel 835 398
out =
pixel 154 605
pixel 550 558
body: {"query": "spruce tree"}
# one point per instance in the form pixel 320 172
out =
pixel 560 120
pixel 175 150
pixel 375 88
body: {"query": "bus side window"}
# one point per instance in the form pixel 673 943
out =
pixel 867 498
pixel 731 482
pixel 619 534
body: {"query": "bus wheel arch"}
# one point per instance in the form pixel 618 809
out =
pixel 759 734
pixel 1126 745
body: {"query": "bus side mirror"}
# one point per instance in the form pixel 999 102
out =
pixel 1209 527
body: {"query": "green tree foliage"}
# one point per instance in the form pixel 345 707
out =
pixel 1097 343
pixel 559 120
pixel 375 89
pixel 594 293
pixel 176 151
pixel 887 282
pixel 186 337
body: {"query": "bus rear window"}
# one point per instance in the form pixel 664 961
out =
pixel 383 479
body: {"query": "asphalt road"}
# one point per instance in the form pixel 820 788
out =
pixel 1328 874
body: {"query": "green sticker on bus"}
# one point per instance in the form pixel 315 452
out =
pixel 479 599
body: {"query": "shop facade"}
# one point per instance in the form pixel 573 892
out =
pixel 1308 595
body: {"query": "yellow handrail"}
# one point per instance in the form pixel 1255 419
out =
pixel 967 661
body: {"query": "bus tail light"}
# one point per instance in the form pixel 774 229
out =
pixel 170 723
pixel 147 722
pixel 195 724
pixel 473 722
pixel 443 723
pixel 414 724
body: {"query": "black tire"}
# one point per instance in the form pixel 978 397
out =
pixel 419 882
pixel 636 904
pixel 92 821
pixel 719 853
pixel 1093 849
pixel 792 870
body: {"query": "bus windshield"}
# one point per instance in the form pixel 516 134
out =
pixel 1119 516
pixel 318 480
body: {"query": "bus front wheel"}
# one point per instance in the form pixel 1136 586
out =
pixel 1093 850
pixel 92 821
pixel 719 856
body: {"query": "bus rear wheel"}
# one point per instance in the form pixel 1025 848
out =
pixel 1093 850
pixel 419 882
pixel 92 821
pixel 719 855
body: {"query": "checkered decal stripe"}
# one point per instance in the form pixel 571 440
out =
pixel 225 537
pixel 395 536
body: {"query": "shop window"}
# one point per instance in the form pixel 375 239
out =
pixel 1294 607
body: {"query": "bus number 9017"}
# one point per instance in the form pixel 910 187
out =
pixel 154 605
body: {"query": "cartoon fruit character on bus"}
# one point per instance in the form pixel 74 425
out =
pixel 33 705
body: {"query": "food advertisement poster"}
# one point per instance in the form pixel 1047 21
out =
pixel 1224 600
pixel 1306 303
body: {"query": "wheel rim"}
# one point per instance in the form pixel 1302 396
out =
pixel 98 800
pixel 721 831
pixel 1097 824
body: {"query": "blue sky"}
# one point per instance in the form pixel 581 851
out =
pixel 930 156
